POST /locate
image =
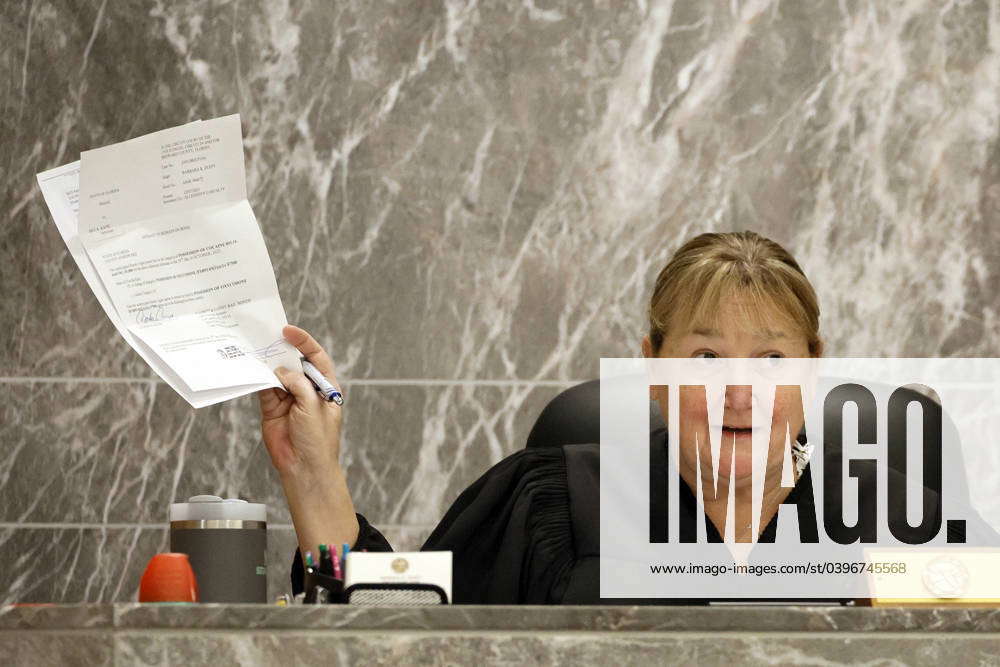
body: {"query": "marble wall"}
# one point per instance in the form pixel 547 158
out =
pixel 466 202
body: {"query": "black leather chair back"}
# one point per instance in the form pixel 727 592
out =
pixel 574 418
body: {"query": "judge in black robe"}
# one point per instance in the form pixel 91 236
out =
pixel 528 530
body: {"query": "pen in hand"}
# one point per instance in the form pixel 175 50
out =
pixel 323 386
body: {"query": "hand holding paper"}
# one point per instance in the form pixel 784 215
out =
pixel 170 246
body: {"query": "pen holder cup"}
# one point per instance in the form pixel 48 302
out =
pixel 315 583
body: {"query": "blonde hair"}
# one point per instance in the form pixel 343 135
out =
pixel 711 267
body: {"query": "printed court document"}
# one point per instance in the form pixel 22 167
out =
pixel 161 229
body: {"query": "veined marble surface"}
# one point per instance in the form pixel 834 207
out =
pixel 447 635
pixel 487 618
pixel 466 202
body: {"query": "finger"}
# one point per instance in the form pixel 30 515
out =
pixel 310 349
pixel 299 386
pixel 270 401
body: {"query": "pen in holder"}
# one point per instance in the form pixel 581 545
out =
pixel 322 588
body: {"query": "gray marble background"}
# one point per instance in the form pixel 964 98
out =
pixel 466 202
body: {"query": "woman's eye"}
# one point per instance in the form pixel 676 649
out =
pixel 705 354
pixel 773 360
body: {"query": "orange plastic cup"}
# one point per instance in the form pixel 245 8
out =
pixel 168 578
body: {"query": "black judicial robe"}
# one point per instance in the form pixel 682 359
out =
pixel 528 530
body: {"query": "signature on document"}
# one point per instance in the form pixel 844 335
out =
pixel 272 349
pixel 153 314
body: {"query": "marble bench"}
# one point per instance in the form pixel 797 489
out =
pixel 122 634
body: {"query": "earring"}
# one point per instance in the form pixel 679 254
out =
pixel 800 455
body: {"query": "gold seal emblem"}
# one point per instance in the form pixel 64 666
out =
pixel 400 565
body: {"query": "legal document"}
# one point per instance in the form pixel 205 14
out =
pixel 162 231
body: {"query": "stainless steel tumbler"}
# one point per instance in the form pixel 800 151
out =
pixel 226 542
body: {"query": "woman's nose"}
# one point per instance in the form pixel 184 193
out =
pixel 739 397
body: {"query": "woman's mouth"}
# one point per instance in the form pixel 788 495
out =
pixel 737 431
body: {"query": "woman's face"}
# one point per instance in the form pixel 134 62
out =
pixel 736 337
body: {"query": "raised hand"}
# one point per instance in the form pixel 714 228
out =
pixel 299 427
pixel 302 433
